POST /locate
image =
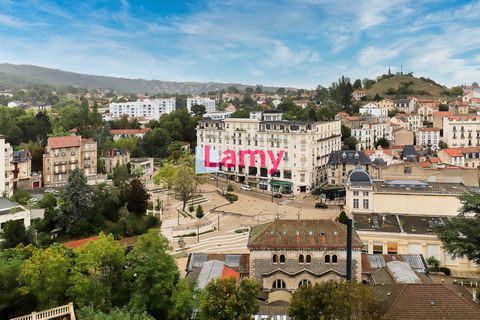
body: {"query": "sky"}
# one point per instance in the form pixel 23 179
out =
pixel 298 43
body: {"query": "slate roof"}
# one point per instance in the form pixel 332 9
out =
pixel 21 156
pixel 409 150
pixel 348 157
pixel 301 234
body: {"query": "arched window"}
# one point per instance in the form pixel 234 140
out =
pixel 282 258
pixel 327 259
pixel 279 284
pixel 301 259
pixel 334 258
pixel 304 282
pixel 275 258
pixel 308 258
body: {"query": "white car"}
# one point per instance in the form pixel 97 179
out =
pixel 246 187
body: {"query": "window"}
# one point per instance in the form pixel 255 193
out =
pixel 355 193
pixel 355 203
pixel 308 258
pixel 327 259
pixel 304 282
pixel 282 258
pixel 378 247
pixel 365 193
pixel 334 258
pixel 392 248
pixel 279 284
pixel 365 203
pixel 275 258
pixel 301 258
pixel 407 170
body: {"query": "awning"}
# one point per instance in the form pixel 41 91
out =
pixel 280 183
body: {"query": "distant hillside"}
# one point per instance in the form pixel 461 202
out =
pixel 25 74
pixel 401 86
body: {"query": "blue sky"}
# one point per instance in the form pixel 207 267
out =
pixel 300 43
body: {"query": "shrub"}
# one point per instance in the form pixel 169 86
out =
pixel 199 212
pixel 191 208
pixel 433 262
pixel 231 197
pixel 151 222
pixel 150 205
pixel 229 188
pixel 342 217
pixel 445 270
pixel 21 197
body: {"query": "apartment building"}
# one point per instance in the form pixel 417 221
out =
pixel 468 157
pixel 341 162
pixel 12 211
pixel 386 103
pixel 142 109
pixel 374 110
pixel 306 146
pixel 461 131
pixel 425 111
pixel 368 133
pixel 64 154
pixel 6 168
pixel 221 115
pixel 113 158
pixel 411 121
pixel 128 133
pixel 405 105
pixel 428 137
pixel 210 104
pixel 22 169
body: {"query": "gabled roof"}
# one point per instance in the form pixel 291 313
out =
pixel 129 131
pixel 64 142
pixel 348 157
pixel 79 243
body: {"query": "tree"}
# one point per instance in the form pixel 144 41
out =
pixel 460 235
pixel 183 301
pixel 383 142
pixel 341 91
pixel 155 143
pixel 199 213
pixel 136 197
pixel 48 201
pixel 357 84
pixel 45 276
pixel 333 300
pixel 280 91
pixel 14 233
pixel 95 279
pixel 175 150
pixel 222 299
pixel 89 313
pixel 350 143
pixel 166 176
pixel 342 217
pixel 184 184
pixel 152 274
pixel 346 132
pixel 21 196
pixel 120 175
pixel 199 109
pixel 442 145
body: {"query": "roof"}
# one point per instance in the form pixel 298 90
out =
pixel 442 113
pixel 358 176
pixel 397 223
pixel 80 242
pixel 215 269
pixel 348 157
pixel 409 150
pixel 426 301
pixel 64 142
pixel 428 129
pixel 419 186
pixel 459 152
pixel 129 131
pixel 371 262
pixel 21 156
pixel 301 234
pixel 238 262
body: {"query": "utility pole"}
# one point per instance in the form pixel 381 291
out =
pixel 217 179
pixel 218 222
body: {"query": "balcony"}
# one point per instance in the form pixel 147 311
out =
pixel 73 161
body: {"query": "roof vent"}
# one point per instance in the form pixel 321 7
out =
pixel 284 233
pixel 335 233
pixel 310 233
pixel 432 303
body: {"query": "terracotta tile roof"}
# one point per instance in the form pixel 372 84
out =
pixel 64 142
pixel 442 114
pixel 230 273
pixel 434 160
pixel 305 234
pixel 428 129
pixel 129 131
pixel 425 164
pixel 466 117
pixel 79 243
pixel 431 301
pixel 459 152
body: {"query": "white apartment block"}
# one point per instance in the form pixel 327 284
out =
pixel 306 147
pixel 6 168
pixel 146 109
pixel 221 115
pixel 374 110
pixel 428 137
pixel 210 105
pixel 368 133
pixel 461 131
pixel 411 122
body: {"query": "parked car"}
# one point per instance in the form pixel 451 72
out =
pixel 277 195
pixel 246 187
pixel 213 178
pixel 321 205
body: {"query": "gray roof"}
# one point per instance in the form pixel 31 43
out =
pixel 348 157
pixel 210 270
pixel 409 150
pixel 358 176
pixel 21 156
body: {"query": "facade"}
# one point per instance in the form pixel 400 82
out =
pixel 64 154
pixel 218 115
pixel 210 105
pixel 386 103
pixel 12 211
pixel 415 197
pixel 468 157
pixel 113 158
pixel 438 118
pixel 359 94
pixel 461 131
pixel 374 110
pixel 402 136
pixel 428 137
pixel 425 111
pixel 6 168
pixel 306 147
pixel 22 168
pixel 143 165
pixel 411 122
pixel 368 133
pixel 405 105
pixel 145 109
pixel 128 133
pixel 340 163
pixel 286 254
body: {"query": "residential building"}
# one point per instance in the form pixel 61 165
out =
pixel 22 169
pixel 128 133
pixel 385 233
pixel 143 166
pixel 12 211
pixel 341 162
pixel 305 146
pixel 428 137
pixel 142 109
pixel 348 120
pixel 369 133
pixel 468 157
pixel 209 104
pixel 218 115
pixel 402 136
pixel 386 103
pixel 372 109
pixel 438 118
pixel 64 154
pixel 302 103
pixel 459 108
pixel 416 197
pixel 380 156
pixel 461 131
pixel 359 94
pixel 405 105
pixel 425 111
pixel 286 254
pixel 6 168
pixel 411 121
pixel 113 158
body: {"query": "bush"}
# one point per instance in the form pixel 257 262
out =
pixel 342 217
pixel 191 208
pixel 21 197
pixel 229 188
pixel 231 197
pixel 433 262
pixel 151 222
pixel 150 205
pixel 445 270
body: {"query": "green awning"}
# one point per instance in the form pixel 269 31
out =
pixel 280 184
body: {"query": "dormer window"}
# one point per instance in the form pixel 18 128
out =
pixel 327 258
pixel 308 258
pixel 282 258
pixel 334 259
pixel 301 259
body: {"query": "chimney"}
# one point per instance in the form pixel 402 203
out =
pixel 323 239
pixel 297 238
pixel 349 250
pixel 311 237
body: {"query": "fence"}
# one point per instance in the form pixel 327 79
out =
pixel 50 313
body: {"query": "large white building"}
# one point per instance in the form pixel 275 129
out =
pixel 461 131
pixel 374 110
pixel 6 168
pixel 143 109
pixel 428 137
pixel 12 211
pixel 210 105
pixel 369 133
pixel 306 147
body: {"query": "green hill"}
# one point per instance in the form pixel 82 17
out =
pixel 401 86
